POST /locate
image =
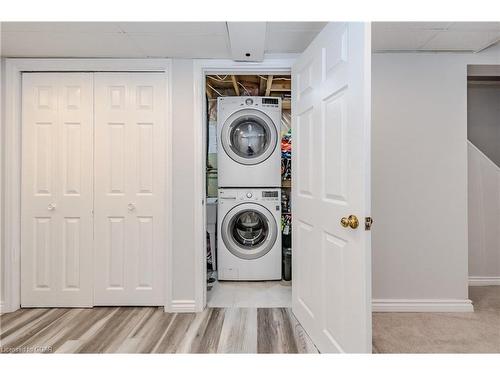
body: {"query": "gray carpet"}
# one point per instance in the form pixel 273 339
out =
pixel 477 332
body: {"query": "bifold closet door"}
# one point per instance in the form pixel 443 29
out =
pixel 129 209
pixel 56 197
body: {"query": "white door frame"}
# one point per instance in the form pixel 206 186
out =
pixel 14 67
pixel 200 69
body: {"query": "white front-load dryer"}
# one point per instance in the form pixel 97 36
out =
pixel 248 141
pixel 249 235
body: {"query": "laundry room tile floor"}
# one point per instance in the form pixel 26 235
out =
pixel 265 294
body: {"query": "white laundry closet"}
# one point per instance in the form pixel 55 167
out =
pixel 93 191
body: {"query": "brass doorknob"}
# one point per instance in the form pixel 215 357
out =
pixel 351 221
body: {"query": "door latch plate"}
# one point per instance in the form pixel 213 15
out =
pixel 368 223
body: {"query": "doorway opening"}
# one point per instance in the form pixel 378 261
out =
pixel 248 211
pixel 483 153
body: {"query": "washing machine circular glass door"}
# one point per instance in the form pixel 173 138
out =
pixel 249 136
pixel 249 231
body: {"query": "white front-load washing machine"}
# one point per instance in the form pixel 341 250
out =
pixel 248 141
pixel 249 235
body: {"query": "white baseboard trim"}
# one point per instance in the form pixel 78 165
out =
pixel 484 280
pixel 422 305
pixel 5 308
pixel 183 305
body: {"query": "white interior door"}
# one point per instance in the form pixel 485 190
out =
pixel 56 199
pixel 129 188
pixel 331 167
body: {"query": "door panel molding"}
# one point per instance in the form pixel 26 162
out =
pixel 57 192
pixel 12 141
pixel 129 190
pixel 331 292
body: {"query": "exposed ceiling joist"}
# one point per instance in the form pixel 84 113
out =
pixel 235 85
pixel 250 85
pixel 262 85
pixel 269 85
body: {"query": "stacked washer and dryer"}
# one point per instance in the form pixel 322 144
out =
pixel 249 196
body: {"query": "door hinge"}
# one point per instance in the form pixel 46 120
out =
pixel 368 223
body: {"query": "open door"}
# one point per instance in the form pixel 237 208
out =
pixel 331 167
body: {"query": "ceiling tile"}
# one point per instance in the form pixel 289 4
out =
pixel 50 44
pixel 85 27
pixel 410 25
pixel 141 39
pixel 295 26
pixel 168 28
pixel 288 41
pixel 186 46
pixel 291 37
pixel 384 39
pixel 475 26
pixel 462 40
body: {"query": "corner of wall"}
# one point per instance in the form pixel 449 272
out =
pixel 2 148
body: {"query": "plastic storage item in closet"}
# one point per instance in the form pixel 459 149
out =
pixel 287 263
pixel 211 228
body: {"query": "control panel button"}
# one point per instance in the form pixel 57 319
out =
pixel 249 195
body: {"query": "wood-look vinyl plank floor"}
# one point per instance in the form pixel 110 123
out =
pixel 276 333
pixel 176 332
pixel 239 333
pixel 151 330
pixel 240 330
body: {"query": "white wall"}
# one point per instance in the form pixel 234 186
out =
pixel 183 262
pixel 2 122
pixel 419 178
pixel 419 157
pixel 484 219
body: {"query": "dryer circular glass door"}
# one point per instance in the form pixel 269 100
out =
pixel 249 231
pixel 249 136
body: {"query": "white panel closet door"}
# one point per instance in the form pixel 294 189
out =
pixel 56 200
pixel 331 290
pixel 129 209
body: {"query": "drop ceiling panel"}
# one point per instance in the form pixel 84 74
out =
pixel 475 26
pixel 295 26
pixel 400 39
pixel 50 44
pixel 291 37
pixel 192 46
pixel 168 28
pixel 147 39
pixel 66 27
pixel 462 40
pixel 434 36
pixel 411 25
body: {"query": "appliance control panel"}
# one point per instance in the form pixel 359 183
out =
pixel 270 194
pixel 272 102
pixel 250 102
pixel 250 194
